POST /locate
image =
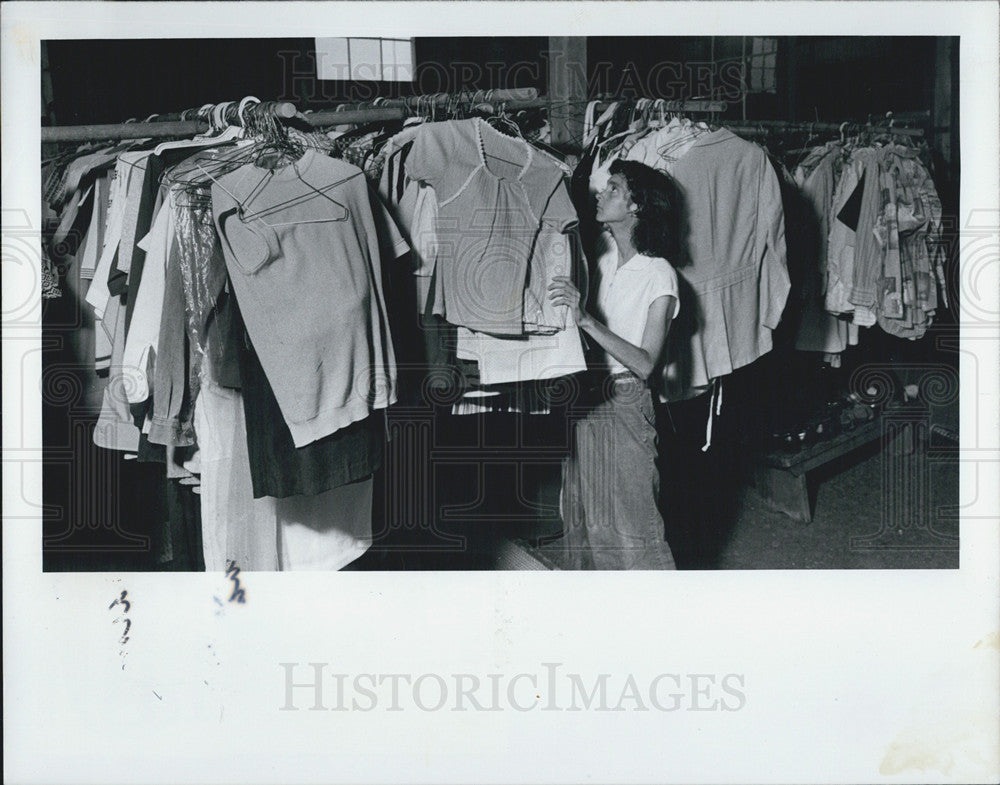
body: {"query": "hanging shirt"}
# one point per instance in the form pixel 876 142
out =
pixel 522 358
pixel 855 256
pixel 144 331
pixel 551 256
pixel 625 293
pixel 869 256
pixel 98 293
pixel 493 192
pixel 415 211
pixel 302 249
pixel 907 230
pixel 663 148
pixel 819 331
pixel 737 270
pixel 115 429
pixel 95 233
pixel 172 418
pixel 139 210
pixel 841 242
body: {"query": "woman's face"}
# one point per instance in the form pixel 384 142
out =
pixel 614 203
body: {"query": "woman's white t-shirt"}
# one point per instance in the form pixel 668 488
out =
pixel 625 293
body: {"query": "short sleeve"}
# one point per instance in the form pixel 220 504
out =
pixel 664 283
pixel 428 157
pixel 390 239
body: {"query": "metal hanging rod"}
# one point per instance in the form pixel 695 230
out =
pixel 443 99
pixel 397 109
pixel 390 109
pixel 149 130
pixel 381 112
pixel 693 105
pixel 780 126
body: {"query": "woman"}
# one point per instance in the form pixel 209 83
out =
pixel 610 480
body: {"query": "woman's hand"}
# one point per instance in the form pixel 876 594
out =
pixel 563 292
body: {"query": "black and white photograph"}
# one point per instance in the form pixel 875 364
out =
pixel 705 318
pixel 416 382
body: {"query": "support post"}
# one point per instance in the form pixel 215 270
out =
pixel 567 89
pixel 945 111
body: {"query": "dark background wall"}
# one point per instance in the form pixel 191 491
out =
pixel 110 81
pixel 829 78
pixel 825 77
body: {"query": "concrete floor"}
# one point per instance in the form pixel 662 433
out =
pixel 859 522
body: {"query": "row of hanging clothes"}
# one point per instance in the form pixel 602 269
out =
pixel 865 250
pixel 880 255
pixel 243 282
pixel 234 353
pixel 730 252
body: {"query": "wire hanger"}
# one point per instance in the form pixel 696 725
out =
pixel 502 122
pixel 252 141
pixel 261 186
pixel 276 139
pixel 230 134
pixel 521 165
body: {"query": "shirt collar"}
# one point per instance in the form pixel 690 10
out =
pixel 637 262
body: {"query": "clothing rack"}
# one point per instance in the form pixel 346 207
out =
pixel 151 129
pixel 692 105
pixel 763 127
pixel 444 99
pixel 175 124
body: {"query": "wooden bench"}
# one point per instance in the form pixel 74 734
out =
pixel 782 478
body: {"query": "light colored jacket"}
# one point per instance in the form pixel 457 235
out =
pixel 735 283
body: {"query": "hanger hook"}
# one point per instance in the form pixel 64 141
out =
pixel 245 104
pixel 215 120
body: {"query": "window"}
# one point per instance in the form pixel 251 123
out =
pixel 763 65
pixel 365 59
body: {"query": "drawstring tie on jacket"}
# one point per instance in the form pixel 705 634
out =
pixel 714 410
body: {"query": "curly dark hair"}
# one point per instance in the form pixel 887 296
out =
pixel 657 231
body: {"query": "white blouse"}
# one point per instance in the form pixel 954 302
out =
pixel 625 293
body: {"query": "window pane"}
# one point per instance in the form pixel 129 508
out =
pixel 385 59
pixel 388 60
pixel 331 59
pixel 366 58
pixel 404 61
